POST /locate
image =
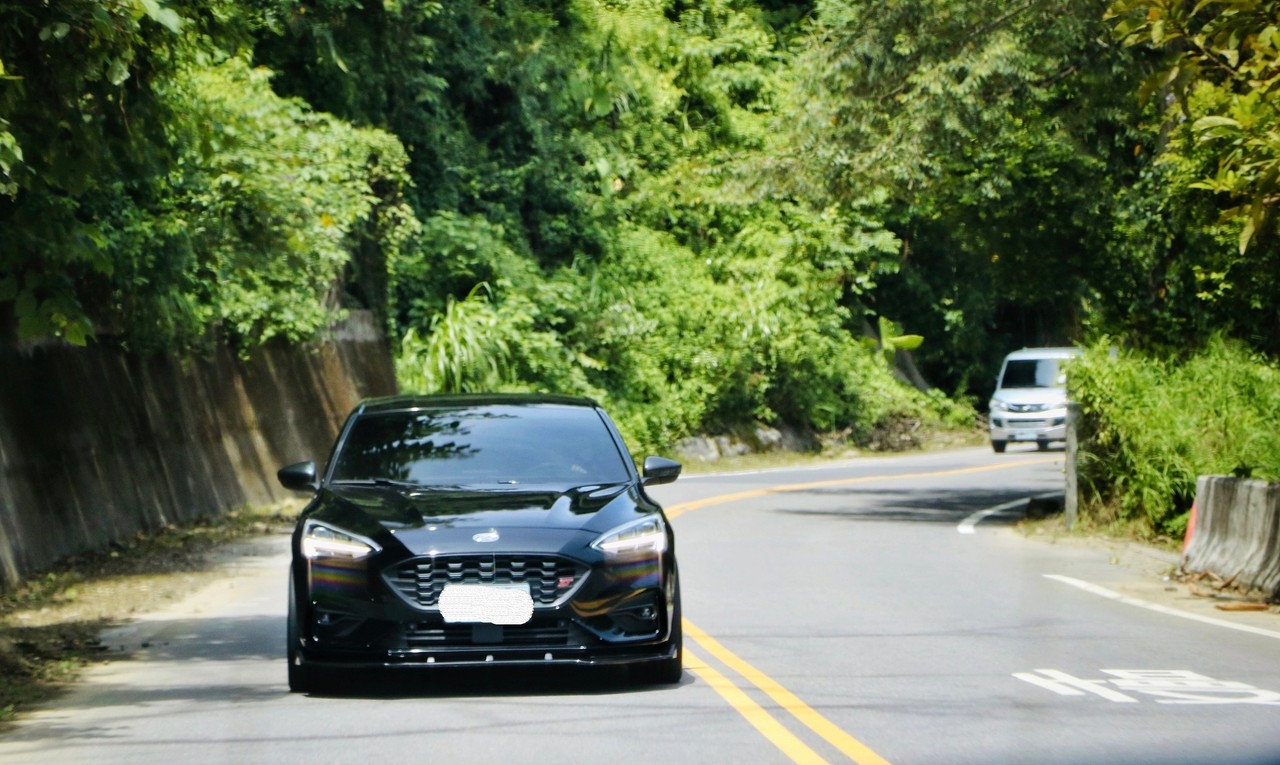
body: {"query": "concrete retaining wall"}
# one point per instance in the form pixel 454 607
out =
pixel 97 444
pixel 1237 534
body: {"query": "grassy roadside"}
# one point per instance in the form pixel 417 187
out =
pixel 49 626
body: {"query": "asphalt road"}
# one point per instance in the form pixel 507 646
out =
pixel 864 612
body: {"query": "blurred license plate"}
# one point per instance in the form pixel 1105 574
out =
pixel 486 603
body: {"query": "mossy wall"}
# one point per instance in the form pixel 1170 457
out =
pixel 97 444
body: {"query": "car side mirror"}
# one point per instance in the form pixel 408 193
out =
pixel 659 470
pixel 300 476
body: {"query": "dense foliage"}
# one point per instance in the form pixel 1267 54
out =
pixel 158 191
pixel 1153 425
pixel 702 212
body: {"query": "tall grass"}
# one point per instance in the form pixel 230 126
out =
pixel 1152 425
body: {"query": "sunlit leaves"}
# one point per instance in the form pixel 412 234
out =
pixel 79 110
pixel 277 198
pixel 464 349
pixel 162 15
pixel 1231 45
pixel 996 133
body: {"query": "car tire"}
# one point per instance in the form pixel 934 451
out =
pixel 998 446
pixel 1042 446
pixel 665 671
pixel 299 675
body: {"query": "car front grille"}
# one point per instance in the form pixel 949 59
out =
pixel 550 578
pixel 1028 408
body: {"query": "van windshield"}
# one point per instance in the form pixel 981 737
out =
pixel 1032 373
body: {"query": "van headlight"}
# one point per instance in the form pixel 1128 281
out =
pixel 998 406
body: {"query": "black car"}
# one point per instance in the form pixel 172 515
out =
pixel 482 530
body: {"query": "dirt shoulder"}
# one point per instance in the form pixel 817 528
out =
pixel 1153 573
pixel 51 627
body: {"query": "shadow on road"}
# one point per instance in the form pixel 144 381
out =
pixel 230 654
pixel 917 506
pixel 469 682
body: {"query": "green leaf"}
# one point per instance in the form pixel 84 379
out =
pixel 117 72
pixel 1207 123
pixel 78 332
pixel 165 17
pixel 907 342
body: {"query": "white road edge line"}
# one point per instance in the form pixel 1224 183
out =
pixel 1112 595
pixel 970 525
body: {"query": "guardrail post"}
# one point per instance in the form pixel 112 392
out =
pixel 1072 495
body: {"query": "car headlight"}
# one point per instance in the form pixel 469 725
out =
pixel 998 406
pixel 645 538
pixel 320 541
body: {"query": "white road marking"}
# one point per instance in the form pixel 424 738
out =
pixel 1065 685
pixel 1168 686
pixel 970 525
pixel 1112 595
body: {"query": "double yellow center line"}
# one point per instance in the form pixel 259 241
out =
pixel 760 718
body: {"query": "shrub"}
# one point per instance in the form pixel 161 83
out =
pixel 1152 425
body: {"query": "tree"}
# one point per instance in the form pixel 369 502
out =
pixel 158 192
pixel 999 139
pixel 1231 47
pixel 1214 179
pixel 78 109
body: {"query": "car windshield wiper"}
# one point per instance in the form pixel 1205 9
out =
pixel 378 482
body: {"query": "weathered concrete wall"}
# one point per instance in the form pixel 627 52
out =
pixel 96 444
pixel 1237 534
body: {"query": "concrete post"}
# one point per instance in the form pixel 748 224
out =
pixel 1072 493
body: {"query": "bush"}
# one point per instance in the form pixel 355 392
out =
pixel 672 348
pixel 1151 426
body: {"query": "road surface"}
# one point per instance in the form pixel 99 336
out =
pixel 874 611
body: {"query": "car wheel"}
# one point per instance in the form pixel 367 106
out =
pixel 998 446
pixel 299 676
pixel 665 671
pixel 1042 446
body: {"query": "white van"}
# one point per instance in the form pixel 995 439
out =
pixel 1030 402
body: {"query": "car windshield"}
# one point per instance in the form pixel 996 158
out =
pixel 1032 373
pixel 542 444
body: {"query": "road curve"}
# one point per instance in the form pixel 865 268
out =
pixel 834 614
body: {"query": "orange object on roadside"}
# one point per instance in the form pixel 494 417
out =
pixel 1191 527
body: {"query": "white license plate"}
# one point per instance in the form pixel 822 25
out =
pixel 1023 435
pixel 508 604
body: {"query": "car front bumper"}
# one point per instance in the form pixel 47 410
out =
pixel 1036 426
pixel 611 617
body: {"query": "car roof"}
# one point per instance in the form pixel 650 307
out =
pixel 405 403
pixel 1044 353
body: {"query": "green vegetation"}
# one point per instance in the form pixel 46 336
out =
pixel 1153 425
pixel 704 213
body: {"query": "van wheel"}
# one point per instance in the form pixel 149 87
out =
pixel 998 446
pixel 1042 446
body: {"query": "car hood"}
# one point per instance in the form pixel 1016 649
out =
pixel 424 518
